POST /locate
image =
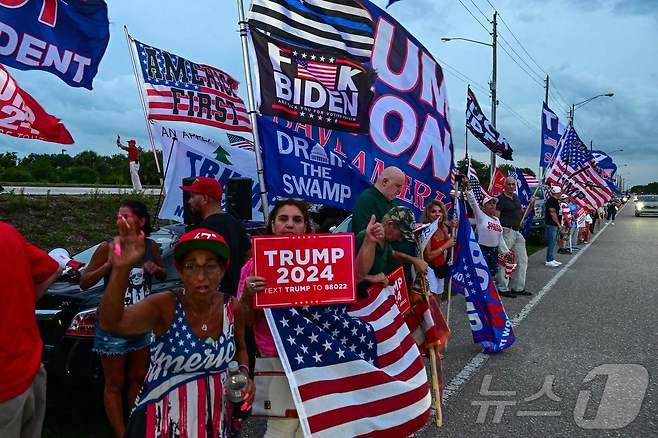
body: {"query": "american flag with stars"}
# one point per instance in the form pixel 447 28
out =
pixel 353 370
pixel 240 142
pixel 474 184
pixel 180 90
pixel 576 172
pixel 323 72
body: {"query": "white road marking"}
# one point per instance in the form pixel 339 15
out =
pixel 474 365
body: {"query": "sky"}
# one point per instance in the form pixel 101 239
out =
pixel 587 47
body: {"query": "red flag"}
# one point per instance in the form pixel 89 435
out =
pixel 497 183
pixel 23 117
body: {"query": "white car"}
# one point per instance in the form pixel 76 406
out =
pixel 646 204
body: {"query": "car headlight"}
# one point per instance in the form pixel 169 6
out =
pixel 639 205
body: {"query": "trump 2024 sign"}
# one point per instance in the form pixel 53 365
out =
pixel 305 270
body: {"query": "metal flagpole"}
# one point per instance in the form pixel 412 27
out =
pixel 252 109
pixel 141 99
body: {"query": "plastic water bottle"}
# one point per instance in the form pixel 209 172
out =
pixel 236 384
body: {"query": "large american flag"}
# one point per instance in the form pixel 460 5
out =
pixel 353 371
pixel 180 90
pixel 474 184
pixel 323 72
pixel 576 172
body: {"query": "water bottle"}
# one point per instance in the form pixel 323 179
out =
pixel 236 385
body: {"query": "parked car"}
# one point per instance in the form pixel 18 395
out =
pixel 646 205
pixel 66 315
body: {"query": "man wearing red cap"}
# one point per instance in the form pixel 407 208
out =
pixel 26 273
pixel 133 159
pixel 205 202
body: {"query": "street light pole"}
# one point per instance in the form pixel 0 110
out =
pixel 572 111
pixel 494 101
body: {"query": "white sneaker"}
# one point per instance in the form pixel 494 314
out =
pixel 552 264
pixel 558 263
pixel 613 223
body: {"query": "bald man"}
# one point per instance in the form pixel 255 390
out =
pixel 378 199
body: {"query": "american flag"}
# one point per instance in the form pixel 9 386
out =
pixel 240 142
pixel 323 72
pixel 180 90
pixel 354 370
pixel 576 172
pixel 530 179
pixel 342 25
pixel 548 141
pixel 474 184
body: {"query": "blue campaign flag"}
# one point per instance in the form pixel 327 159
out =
pixel 299 167
pixel 607 168
pixel 551 132
pixel 490 324
pixel 524 193
pixel 409 125
pixel 67 39
pixel 390 2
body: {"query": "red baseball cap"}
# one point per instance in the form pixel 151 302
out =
pixel 205 186
pixel 202 238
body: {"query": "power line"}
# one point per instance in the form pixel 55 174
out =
pixel 521 67
pixel 469 81
pixel 474 17
pixel 521 58
pixel 478 8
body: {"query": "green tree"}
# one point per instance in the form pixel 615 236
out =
pixel 8 160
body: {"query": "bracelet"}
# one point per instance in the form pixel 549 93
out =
pixel 245 368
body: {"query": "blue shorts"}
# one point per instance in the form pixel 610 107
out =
pixel 107 344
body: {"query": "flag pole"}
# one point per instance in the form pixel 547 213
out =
pixel 252 109
pixel 438 400
pixel 141 99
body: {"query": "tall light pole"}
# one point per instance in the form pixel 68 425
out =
pixel 492 84
pixel 583 103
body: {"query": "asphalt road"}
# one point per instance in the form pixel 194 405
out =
pixel 593 319
pixel 27 190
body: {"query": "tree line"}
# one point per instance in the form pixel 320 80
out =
pixel 87 167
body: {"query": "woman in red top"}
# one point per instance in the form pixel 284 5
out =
pixel 436 252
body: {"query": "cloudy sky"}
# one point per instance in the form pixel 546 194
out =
pixel 588 47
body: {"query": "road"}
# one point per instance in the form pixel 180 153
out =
pixel 595 314
pixel 73 190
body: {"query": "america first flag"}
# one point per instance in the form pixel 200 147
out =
pixel 353 370
pixel 576 172
pixel 178 89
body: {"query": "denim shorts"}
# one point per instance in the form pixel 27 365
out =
pixel 107 344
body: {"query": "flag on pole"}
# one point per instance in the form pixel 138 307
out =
pixel 524 193
pixel 178 89
pixel 530 179
pixel 576 172
pixel 482 129
pixel 497 184
pixel 353 371
pixel 342 25
pixel 551 132
pixel 490 325
pixel 474 184
pixel 25 117
pixel 240 142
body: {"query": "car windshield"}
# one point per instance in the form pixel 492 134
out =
pixel 648 198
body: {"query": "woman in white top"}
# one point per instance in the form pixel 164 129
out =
pixel 489 230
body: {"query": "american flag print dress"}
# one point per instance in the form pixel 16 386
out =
pixel 183 395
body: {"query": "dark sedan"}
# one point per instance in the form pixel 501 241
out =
pixel 66 315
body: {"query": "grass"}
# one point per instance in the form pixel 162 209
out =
pixel 71 222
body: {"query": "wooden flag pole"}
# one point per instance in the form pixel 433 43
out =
pixel 438 410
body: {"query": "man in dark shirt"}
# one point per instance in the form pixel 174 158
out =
pixel 511 212
pixel 552 223
pixel 205 201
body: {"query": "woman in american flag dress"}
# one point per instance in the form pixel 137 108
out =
pixel 198 331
